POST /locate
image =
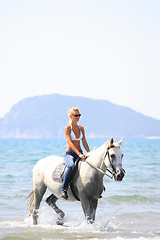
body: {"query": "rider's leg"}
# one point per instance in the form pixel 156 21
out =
pixel 69 160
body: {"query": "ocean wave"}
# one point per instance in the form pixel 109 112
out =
pixel 14 196
pixel 132 198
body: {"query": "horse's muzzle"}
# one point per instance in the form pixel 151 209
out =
pixel 118 176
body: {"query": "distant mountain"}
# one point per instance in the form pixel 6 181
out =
pixel 46 116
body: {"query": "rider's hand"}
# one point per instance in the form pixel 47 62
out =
pixel 82 156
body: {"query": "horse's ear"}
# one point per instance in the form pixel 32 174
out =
pixel 120 142
pixel 111 142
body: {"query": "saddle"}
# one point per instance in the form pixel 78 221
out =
pixel 58 176
pixel 58 173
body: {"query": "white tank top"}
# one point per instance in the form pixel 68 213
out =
pixel 73 137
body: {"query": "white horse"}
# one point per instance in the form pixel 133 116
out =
pixel 88 180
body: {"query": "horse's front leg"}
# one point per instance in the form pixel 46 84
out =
pixel 89 206
pixel 94 203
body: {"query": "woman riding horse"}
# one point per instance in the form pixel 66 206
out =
pixel 73 133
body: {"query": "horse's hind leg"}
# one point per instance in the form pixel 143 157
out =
pixel 38 195
pixel 51 201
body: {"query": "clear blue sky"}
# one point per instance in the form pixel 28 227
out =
pixel 103 49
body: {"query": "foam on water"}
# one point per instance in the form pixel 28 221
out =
pixel 70 230
pixel 74 227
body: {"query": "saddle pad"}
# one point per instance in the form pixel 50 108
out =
pixel 58 173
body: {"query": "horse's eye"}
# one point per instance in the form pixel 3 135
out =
pixel 113 155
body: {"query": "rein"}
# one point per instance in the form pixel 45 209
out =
pixel 96 168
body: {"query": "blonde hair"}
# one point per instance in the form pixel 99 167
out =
pixel 72 110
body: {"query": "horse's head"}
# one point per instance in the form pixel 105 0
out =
pixel 113 159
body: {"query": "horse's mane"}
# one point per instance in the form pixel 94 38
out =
pixel 108 143
pixel 88 154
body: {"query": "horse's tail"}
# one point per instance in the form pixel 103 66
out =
pixel 31 195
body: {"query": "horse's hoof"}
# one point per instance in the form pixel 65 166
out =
pixel 90 221
pixel 35 217
pixel 62 214
pixel 35 221
pixel 60 222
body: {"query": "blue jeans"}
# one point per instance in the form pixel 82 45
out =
pixel 69 159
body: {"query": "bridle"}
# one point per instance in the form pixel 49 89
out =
pixel 113 172
pixel 111 164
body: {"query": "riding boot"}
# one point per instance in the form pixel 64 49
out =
pixel 64 195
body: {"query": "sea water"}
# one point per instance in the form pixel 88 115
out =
pixel 128 210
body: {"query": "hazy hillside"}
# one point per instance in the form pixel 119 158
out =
pixel 46 116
